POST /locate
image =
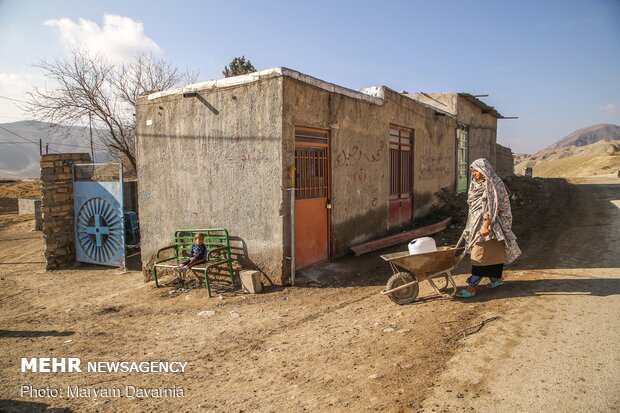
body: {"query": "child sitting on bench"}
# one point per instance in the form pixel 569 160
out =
pixel 198 255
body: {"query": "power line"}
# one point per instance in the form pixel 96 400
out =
pixel 69 144
pixel 26 139
pixel 49 143
pixel 18 135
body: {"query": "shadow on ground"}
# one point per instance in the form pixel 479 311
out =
pixel 15 406
pixel 598 287
pixel 31 334
pixel 562 226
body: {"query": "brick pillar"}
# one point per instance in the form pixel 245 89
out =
pixel 57 207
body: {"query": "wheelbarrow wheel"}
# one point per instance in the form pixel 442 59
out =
pixel 404 295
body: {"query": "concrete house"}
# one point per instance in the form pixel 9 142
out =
pixel 221 154
pixel 477 128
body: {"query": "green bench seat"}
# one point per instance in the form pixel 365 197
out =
pixel 218 252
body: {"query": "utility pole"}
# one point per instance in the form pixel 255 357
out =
pixel 40 148
pixel 47 148
pixel 92 150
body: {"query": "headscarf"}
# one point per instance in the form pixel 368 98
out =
pixel 489 197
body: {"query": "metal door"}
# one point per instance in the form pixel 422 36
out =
pixel 98 212
pixel 311 196
pixel 462 158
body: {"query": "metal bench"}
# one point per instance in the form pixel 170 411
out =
pixel 218 252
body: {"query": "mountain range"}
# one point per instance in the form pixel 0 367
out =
pixel 588 135
pixel 594 150
pixel 19 145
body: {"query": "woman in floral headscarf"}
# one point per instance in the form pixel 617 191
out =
pixel 488 232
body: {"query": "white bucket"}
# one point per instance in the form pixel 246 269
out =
pixel 422 245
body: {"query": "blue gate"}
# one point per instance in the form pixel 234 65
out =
pixel 98 209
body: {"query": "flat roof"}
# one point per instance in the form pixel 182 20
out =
pixel 373 94
pixel 268 74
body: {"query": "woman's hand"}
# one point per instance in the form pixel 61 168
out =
pixel 486 228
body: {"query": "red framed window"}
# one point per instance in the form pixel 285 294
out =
pixel 401 162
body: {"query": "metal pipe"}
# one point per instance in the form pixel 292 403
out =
pixel 92 150
pixel 292 189
pixel 122 208
pixel 292 234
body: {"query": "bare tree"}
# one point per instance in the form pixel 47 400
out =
pixel 86 85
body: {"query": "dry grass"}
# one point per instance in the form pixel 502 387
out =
pixel 600 158
pixel 30 188
pixel 578 166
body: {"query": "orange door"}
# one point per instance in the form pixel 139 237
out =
pixel 311 196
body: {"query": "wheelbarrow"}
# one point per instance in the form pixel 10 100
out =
pixel 410 270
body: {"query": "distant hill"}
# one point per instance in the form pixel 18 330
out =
pixel 594 150
pixel 588 135
pixel 20 159
pixel 598 158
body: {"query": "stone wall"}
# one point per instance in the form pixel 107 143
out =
pixel 57 207
pixel 504 161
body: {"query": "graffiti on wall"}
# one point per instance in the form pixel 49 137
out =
pixel 357 163
pixel 432 164
pixel 354 155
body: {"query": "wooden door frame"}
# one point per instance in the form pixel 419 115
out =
pixel 329 175
pixel 412 177
pixel 461 126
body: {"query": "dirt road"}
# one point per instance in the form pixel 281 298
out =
pixel 336 347
pixel 556 346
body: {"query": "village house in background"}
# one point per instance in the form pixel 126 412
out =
pixel 220 154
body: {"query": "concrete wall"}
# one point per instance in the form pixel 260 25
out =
pixel 214 160
pixel 57 207
pixel 482 126
pixel 221 159
pixel 482 130
pixel 504 161
pixel 28 205
pixel 446 101
pixel 32 206
pixel 360 155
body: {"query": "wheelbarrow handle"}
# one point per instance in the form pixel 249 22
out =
pixel 458 244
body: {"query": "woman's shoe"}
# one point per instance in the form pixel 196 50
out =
pixel 494 284
pixel 464 293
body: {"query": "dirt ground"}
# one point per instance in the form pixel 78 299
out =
pixel 30 188
pixel 333 343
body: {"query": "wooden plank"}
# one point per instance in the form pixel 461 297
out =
pixel 401 237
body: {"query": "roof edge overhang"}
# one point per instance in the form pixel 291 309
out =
pixel 484 108
pixel 376 98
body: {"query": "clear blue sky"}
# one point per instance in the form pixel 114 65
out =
pixel 555 64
